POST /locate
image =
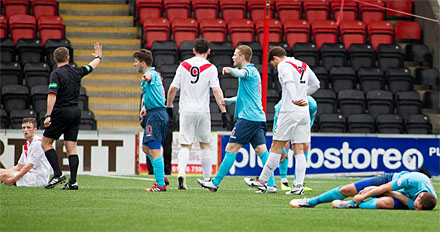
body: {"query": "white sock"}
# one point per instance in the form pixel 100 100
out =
pixel 183 159
pixel 206 164
pixel 271 164
pixel 300 168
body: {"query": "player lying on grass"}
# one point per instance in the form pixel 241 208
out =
pixel 402 190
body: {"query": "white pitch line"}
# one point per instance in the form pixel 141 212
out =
pixel 125 177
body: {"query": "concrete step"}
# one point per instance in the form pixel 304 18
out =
pixel 104 77
pixel 119 125
pixel 102 32
pixel 117 115
pixel 98 21
pixel 111 103
pixel 95 1
pixel 107 56
pixel 93 9
pixel 108 47
pixel 113 91
pixel 111 67
pixel 114 82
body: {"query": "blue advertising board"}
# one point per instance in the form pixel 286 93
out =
pixel 352 154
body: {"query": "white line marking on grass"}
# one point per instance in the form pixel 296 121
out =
pixel 125 177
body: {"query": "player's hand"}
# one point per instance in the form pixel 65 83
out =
pixel 226 70
pixel 170 112
pixel 363 191
pixel 10 181
pixel 143 112
pixel 283 156
pixel 223 102
pixel 300 102
pixel 358 199
pixel 225 120
pixel 98 50
pixel 47 122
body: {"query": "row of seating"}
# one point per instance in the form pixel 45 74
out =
pixel 284 10
pixel 33 7
pixel 291 31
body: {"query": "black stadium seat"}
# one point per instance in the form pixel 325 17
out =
pixel 8 50
pixel 83 102
pixel 186 50
pixel 164 52
pixel 39 98
pixel 4 119
pixel 36 74
pixel 418 124
pixel 408 103
pixel 399 79
pixel 322 75
pixel 15 97
pixel 389 124
pixel 10 74
pixel 16 117
pixel 342 78
pixel 306 52
pixel 334 123
pixel 333 55
pixel 428 77
pixel 326 100
pixel 431 100
pixel 351 102
pixel 88 121
pixel 361 56
pixel 380 102
pixel 418 53
pixel 360 123
pixel 52 44
pixel 371 79
pixel 390 56
pixel 221 53
pixel 30 50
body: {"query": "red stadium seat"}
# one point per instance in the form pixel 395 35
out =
pixel 3 27
pixel 380 32
pixel 407 30
pixel 352 32
pixel 44 7
pixel 148 9
pixel 275 30
pixel 296 31
pixel 205 9
pixel 316 10
pixel 50 27
pixel 214 30
pixel 324 31
pixel 15 7
pixel 288 9
pixel 22 27
pixel 350 9
pixel 232 9
pixel 401 5
pixel 176 9
pixel 184 30
pixel 155 29
pixel 241 30
pixel 256 9
pixel 369 13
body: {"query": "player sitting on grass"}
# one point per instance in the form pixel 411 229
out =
pixel 402 190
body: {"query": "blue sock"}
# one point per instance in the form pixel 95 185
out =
pixel 226 165
pixel 328 196
pixel 283 168
pixel 263 156
pixel 306 154
pixel 159 173
pixel 370 204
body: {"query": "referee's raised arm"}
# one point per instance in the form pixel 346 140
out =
pixel 97 54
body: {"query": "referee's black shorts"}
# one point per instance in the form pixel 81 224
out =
pixel 64 120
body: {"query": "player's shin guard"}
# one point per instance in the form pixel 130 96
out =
pixel 159 173
pixel 328 196
pixel 300 168
pixel 183 161
pixel 226 165
pixel 206 164
pixel 73 164
pixel 52 157
pixel 370 204
pixel 270 166
pixel 264 156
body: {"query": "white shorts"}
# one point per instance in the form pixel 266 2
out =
pixel 293 126
pixel 30 180
pixel 195 127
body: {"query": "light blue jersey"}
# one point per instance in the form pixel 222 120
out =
pixel 248 104
pixel 153 91
pixel 313 108
pixel 412 184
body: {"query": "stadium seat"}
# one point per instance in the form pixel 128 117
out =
pixel 229 83
pixel 418 124
pixel 22 27
pixel 283 45
pixel 256 9
pixel 408 103
pixel 15 7
pixel 431 100
pixel 316 10
pixel 232 10
pixel 186 50
pixel 83 103
pixel 360 123
pixel 44 8
pixel 270 78
pixel 351 102
pixel 322 75
pixel 184 29
pixel 176 9
pixel 333 55
pixel 296 31
pixel 389 124
pixel 418 53
pixel 428 77
pixel 370 13
pixel 379 102
pixel 10 74
pixel 39 98
pixel 399 79
pixel 40 119
pixel 168 71
pixel 257 51
pixel 15 97
pixel 275 30
pixel 306 52
pixel 326 100
pixel 214 30
pixel 3 27
pixel 155 29
pixel 50 27
pixel 371 79
pixel 407 31
pixel 88 121
pixel 229 92
pixel 361 56
pixel 36 74
pixel 390 56
pixel 52 44
pixel 400 5
pixel 16 117
pixel 30 50
pixel 342 78
pixel 241 30
pixel 148 9
pixel 331 123
pixel 164 52
pixel 8 50
pixel 380 32
pixel 324 31
pixel 288 10
pixel 352 32
pixel 349 9
pixel 205 9
pixel 221 53
pixel 4 119
pixel 217 122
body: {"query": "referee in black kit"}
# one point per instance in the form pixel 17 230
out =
pixel 63 115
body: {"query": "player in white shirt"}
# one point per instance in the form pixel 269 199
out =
pixel 194 77
pixel 33 169
pixel 297 80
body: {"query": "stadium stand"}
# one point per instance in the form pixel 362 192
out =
pixel 10 74
pixel 324 31
pixel 275 30
pixel 241 30
pixel 380 32
pixel 408 103
pixel 352 32
pixel 184 29
pixel 155 29
pixel 407 31
pixel 332 123
pixel 177 9
pixel 15 7
pixel 164 52
pixel 371 79
pixel 349 9
pixel 44 8
pixel 429 78
pixel 288 10
pixel 22 27
pixel 30 51
pixel 369 13
pixel 400 5
pixel 8 50
pixel 36 74
pixel 148 9
pixel 83 103
pixel 186 50
pixel 221 53
pixel 4 119
pixel 390 56
pixel 214 30
pixel 418 124
pixel 333 55
pixel 326 100
pixel 362 56
pixel 205 9
pixel 307 52
pixel 389 124
pixel 15 97
pixel 256 9
pixel 3 27
pixel 88 121
pixel 16 117
pixel 379 102
pixel 257 51
pixel 52 44
pixel 351 101
pixel 431 100
pixel 296 31
pixel 399 79
pixel 342 78
pixel 360 123
pixel 232 10
pixel 316 10
pixel 322 75
pixel 420 54
pixel 39 98
pixel 50 27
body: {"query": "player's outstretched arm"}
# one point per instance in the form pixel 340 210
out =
pixel 97 54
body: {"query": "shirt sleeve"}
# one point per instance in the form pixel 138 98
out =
pixel 401 183
pixel 213 77
pixel 285 73
pixel 176 81
pixel 54 83
pixel 84 70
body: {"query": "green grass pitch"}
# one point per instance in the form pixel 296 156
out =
pixel 111 204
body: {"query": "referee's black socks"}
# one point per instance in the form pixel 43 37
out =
pixel 73 164
pixel 52 157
